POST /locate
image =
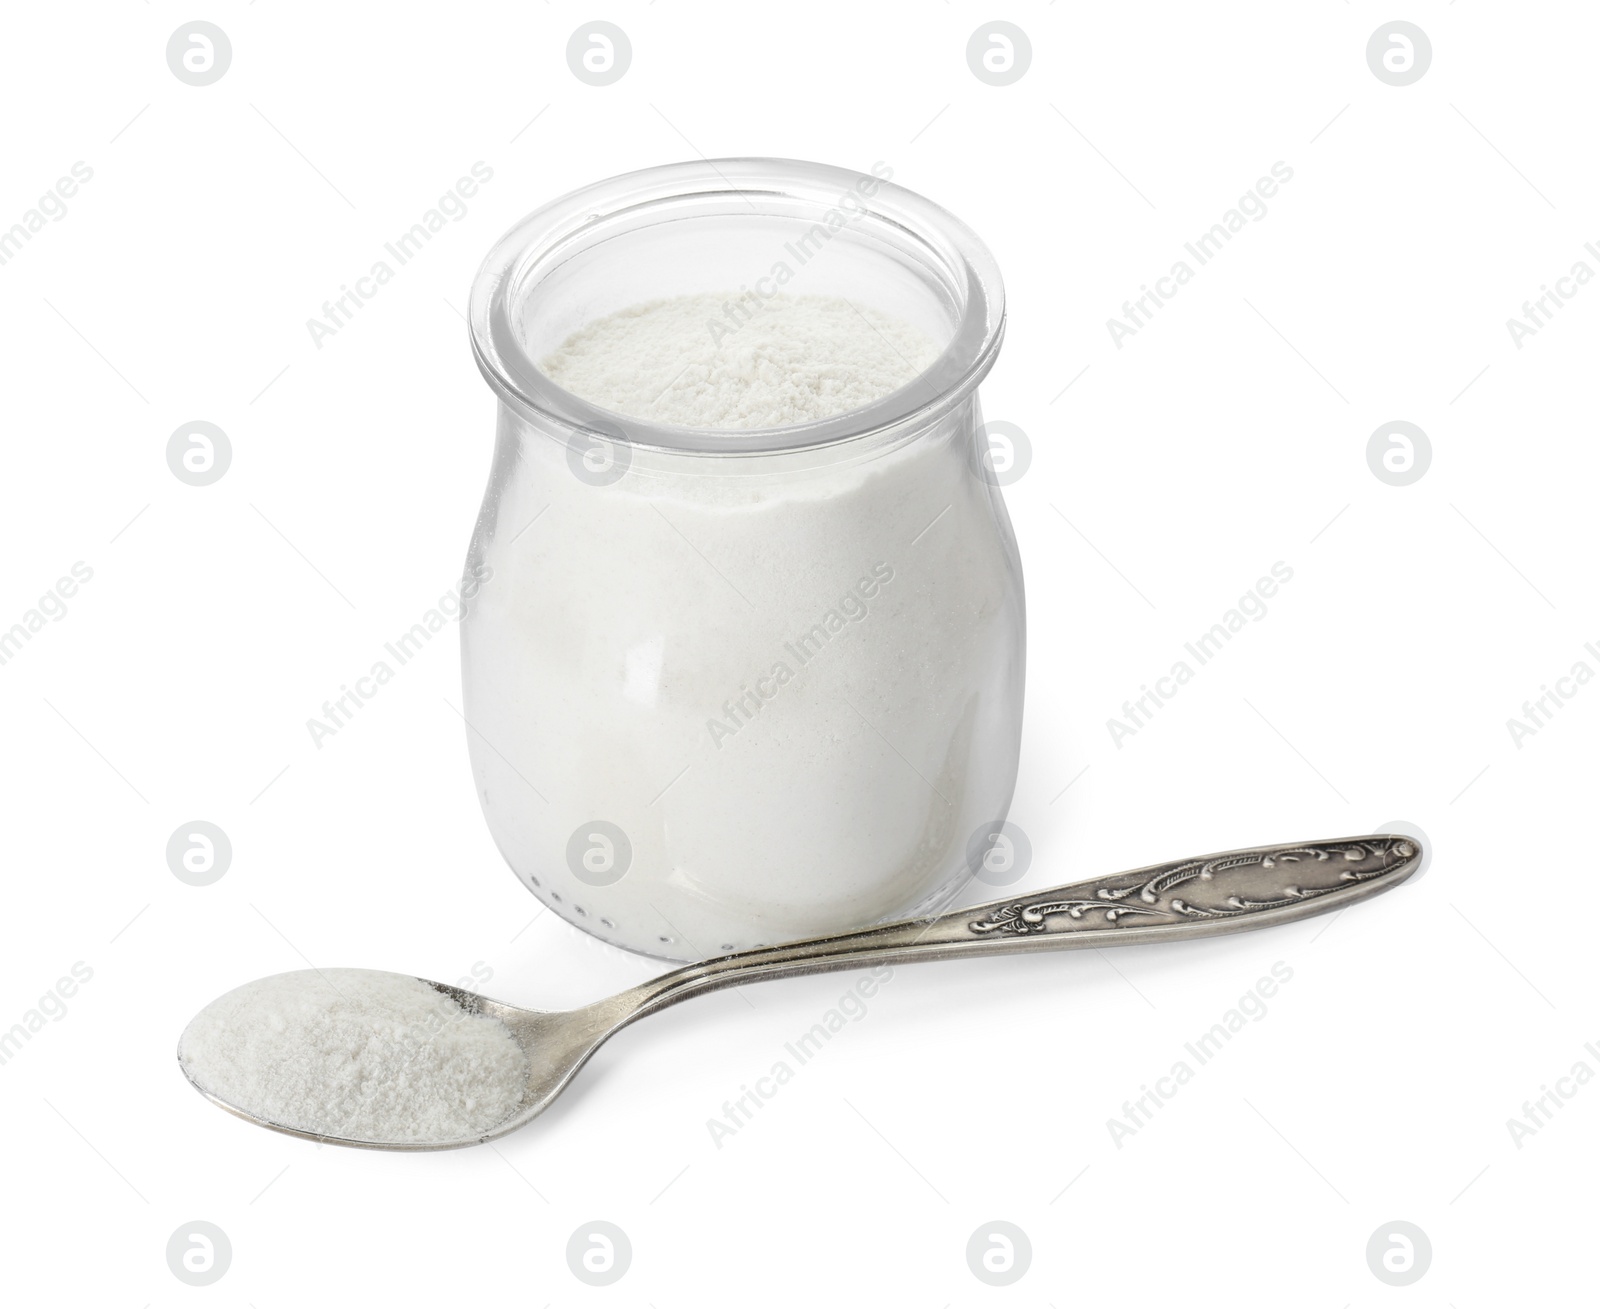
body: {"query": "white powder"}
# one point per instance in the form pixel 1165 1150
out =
pixel 719 702
pixel 687 361
pixel 362 1055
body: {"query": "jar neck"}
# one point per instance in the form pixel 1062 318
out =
pixel 607 458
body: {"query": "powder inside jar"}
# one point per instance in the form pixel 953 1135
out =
pixel 764 697
pixel 356 1054
pixel 740 362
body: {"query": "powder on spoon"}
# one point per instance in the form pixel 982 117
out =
pixel 796 359
pixel 357 1054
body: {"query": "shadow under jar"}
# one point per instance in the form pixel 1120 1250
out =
pixel 731 687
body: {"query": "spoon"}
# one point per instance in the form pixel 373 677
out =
pixel 1206 896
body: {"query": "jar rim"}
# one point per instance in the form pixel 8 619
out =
pixel 564 226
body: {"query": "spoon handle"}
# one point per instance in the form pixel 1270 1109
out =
pixel 1206 896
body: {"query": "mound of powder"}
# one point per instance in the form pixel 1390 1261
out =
pixel 740 362
pixel 351 1053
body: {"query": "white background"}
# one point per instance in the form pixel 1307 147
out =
pixel 1229 434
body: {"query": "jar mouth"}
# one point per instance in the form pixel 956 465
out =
pixel 937 257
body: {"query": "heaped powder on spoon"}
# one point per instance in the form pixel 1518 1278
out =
pixel 684 361
pixel 347 1052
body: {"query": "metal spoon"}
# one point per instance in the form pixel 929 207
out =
pixel 1207 896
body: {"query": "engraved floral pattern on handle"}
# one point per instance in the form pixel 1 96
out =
pixel 1225 886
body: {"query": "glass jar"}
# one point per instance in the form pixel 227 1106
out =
pixel 726 688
